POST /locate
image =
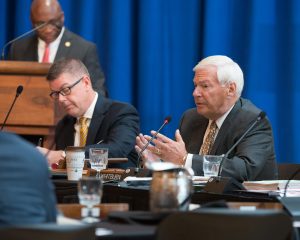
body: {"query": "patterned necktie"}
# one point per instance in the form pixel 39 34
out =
pixel 209 140
pixel 46 54
pixel 83 130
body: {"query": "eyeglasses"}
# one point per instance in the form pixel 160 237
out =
pixel 65 91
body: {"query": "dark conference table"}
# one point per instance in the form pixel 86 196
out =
pixel 139 222
pixel 138 196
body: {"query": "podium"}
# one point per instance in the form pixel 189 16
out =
pixel 34 113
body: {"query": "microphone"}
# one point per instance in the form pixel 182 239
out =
pixel 53 22
pixel 288 181
pixel 166 121
pixel 18 92
pixel 19 37
pixel 260 116
pixel 228 184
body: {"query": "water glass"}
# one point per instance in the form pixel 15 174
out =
pixel 90 194
pixel 98 159
pixel 211 165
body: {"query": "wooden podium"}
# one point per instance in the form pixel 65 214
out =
pixel 34 111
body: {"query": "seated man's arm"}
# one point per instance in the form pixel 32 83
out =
pixel 252 159
pixel 122 126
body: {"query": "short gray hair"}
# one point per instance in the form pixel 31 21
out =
pixel 72 66
pixel 228 71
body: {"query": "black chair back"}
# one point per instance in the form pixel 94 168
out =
pixel 48 232
pixel 212 224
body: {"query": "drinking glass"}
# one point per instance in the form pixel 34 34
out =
pixel 90 194
pixel 211 165
pixel 98 159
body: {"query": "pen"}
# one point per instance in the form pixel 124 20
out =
pixel 100 141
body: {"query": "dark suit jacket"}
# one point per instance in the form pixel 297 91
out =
pixel 27 194
pixel 26 50
pixel 116 123
pixel 252 159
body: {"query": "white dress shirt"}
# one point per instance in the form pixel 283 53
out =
pixel 53 47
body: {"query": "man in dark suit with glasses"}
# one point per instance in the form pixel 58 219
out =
pixel 108 124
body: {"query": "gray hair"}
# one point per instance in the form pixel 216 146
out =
pixel 72 66
pixel 227 71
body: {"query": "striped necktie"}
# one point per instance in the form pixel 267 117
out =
pixel 209 140
pixel 83 130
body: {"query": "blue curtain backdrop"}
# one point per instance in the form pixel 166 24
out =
pixel 149 47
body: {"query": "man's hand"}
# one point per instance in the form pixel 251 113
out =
pixel 163 148
pixel 53 157
pixel 146 155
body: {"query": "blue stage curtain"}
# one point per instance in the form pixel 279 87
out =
pixel 149 47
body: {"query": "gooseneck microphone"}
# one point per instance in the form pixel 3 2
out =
pixel 290 179
pixel 260 116
pixel 18 92
pixel 228 184
pixel 21 36
pixel 55 22
pixel 166 121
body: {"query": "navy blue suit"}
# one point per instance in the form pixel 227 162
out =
pixel 26 191
pixel 114 123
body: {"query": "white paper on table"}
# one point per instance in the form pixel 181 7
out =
pixel 130 179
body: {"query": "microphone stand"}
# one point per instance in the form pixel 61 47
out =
pixel 137 169
pixel 19 91
pixel 220 184
pixel 21 36
pixel 259 117
pixel 290 178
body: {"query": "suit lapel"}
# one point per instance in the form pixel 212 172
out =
pixel 69 132
pixel 199 132
pixel 34 50
pixel 97 119
pixel 30 52
pixel 223 132
pixel 64 46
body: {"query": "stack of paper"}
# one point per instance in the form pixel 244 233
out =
pixel 293 188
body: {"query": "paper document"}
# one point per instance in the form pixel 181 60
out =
pixel 293 188
pixel 130 179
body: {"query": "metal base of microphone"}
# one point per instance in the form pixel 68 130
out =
pixel 222 185
pixel 137 172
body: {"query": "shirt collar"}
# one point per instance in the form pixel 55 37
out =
pixel 221 119
pixel 89 113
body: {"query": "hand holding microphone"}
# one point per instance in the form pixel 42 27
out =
pixel 143 143
pixel 168 149
pixel 162 148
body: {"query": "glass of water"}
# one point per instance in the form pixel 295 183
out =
pixel 211 165
pixel 98 159
pixel 90 194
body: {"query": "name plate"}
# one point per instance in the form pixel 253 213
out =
pixel 112 174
